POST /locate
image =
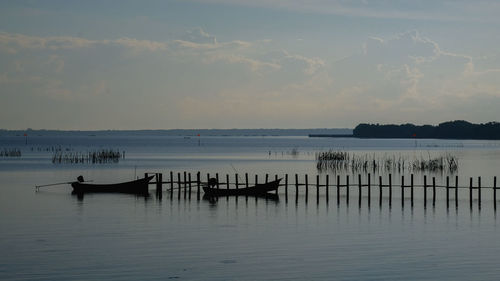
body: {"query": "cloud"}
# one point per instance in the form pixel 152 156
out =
pixel 198 35
pixel 255 65
pixel 414 78
pixel 12 43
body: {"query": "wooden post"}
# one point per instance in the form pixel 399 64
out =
pixel 456 191
pixel 470 192
pixel 433 191
pixel 146 175
pixel 256 179
pixel 185 184
pixel 402 191
pixel 326 187
pixel 296 184
pixel 447 191
pixel 307 186
pixel 217 179
pixel 236 180
pixel 189 179
pixel 411 189
pixel 296 188
pixel 159 182
pixel 425 191
pixel 369 189
pixel 246 185
pixel 359 190
pixel 179 186
pixel 390 190
pixel 347 190
pixel 171 184
pixel 317 189
pixel 227 181
pixel 380 191
pixel 198 185
pixel 338 189
pixel 495 193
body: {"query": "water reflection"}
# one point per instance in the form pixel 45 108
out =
pixel 267 197
pixel 81 196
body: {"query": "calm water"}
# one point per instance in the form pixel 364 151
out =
pixel 51 235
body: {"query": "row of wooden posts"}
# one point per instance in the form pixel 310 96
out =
pixel 186 183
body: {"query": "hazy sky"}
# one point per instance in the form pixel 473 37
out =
pixel 247 64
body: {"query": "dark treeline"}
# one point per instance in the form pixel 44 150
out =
pixel 447 130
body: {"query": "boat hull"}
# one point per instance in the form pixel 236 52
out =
pixel 139 186
pixel 257 190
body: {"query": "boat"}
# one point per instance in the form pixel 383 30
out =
pixel 256 190
pixel 139 186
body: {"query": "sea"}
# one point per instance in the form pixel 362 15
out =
pixel 51 234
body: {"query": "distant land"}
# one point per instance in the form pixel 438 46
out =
pixel 180 132
pixel 448 130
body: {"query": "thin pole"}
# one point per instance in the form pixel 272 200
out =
pixel 189 179
pixel 456 191
pixel 347 190
pixel 179 186
pixel 246 185
pixel 185 184
pixel 198 185
pixel 217 179
pixel 296 188
pixel 411 189
pixel 390 190
pixel 307 186
pixel 402 191
pixel 380 191
pixel 317 188
pixel 236 180
pixel 433 191
pixel 359 190
pixel 447 191
pixel 326 188
pixel 338 189
pixel 369 189
pixel 495 193
pixel 425 191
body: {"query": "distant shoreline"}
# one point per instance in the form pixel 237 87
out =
pixel 182 132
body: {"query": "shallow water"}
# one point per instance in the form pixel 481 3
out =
pixel 52 235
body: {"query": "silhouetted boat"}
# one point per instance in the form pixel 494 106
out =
pixel 256 190
pixel 139 186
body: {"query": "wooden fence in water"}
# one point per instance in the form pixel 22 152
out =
pixel 184 184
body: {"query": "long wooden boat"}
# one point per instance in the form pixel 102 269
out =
pixel 139 186
pixel 256 190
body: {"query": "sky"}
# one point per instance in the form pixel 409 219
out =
pixel 96 65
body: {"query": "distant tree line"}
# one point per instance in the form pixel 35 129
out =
pixel 448 130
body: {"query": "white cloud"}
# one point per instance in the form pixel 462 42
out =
pixel 12 43
pixel 255 65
